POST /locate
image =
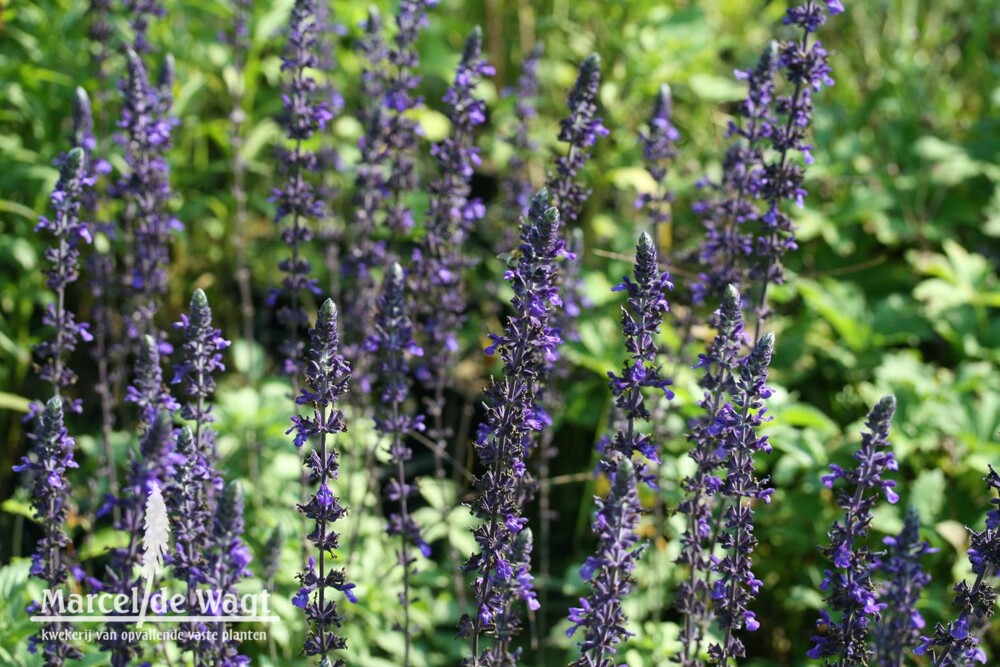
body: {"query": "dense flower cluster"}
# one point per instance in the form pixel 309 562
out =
pixel 730 210
pixel 580 129
pixel 609 571
pixel 364 252
pixel 148 392
pixel 720 363
pixel 899 625
pixel 392 345
pixel 737 426
pixel 527 345
pixel 658 151
pixel 806 69
pixel 297 201
pixel 956 643
pixel 201 360
pixel 850 589
pixel 439 258
pixel 402 131
pixel 68 232
pixel 326 375
pixel 52 456
pixel 641 319
pixel 145 189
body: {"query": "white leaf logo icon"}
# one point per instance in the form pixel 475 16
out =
pixel 155 541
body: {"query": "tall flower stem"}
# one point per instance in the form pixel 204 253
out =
pixel 513 418
pixel 327 376
pixel 624 460
pixel 393 346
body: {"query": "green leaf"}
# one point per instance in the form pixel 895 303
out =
pixel 928 494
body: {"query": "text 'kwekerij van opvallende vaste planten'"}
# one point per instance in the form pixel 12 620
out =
pixel 315 357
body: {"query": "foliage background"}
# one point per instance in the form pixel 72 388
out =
pixel 894 289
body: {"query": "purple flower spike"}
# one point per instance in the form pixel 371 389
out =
pixel 898 629
pixel 51 458
pixel 148 392
pixel 438 260
pixel 805 64
pixel 145 189
pixel 659 151
pixel 297 201
pixel 729 208
pixel 641 319
pixel 580 130
pixel 512 421
pixel 191 517
pixel 364 252
pixel 386 174
pixel 957 643
pixel 392 345
pixel 849 585
pixel 737 426
pixel 326 380
pixel 720 365
pixel 610 571
pixel 68 231
pixel 402 131
pixel 140 12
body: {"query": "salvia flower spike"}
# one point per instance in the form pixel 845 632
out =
pixel 68 231
pixel 601 614
pixel 729 208
pixel 641 318
pixel 720 362
pixel 898 629
pixel 140 13
pixel 956 644
pixel 148 392
pixel 402 131
pixel 364 253
pixel 52 456
pixel 201 361
pixel 580 129
pixel 658 141
pixel 326 381
pixel 805 64
pixel 145 189
pixel 438 260
pixel 526 346
pixel 737 427
pixel 849 586
pixel 297 201
pixel 189 508
pixel 393 346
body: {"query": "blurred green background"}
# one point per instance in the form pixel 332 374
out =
pixel 894 288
